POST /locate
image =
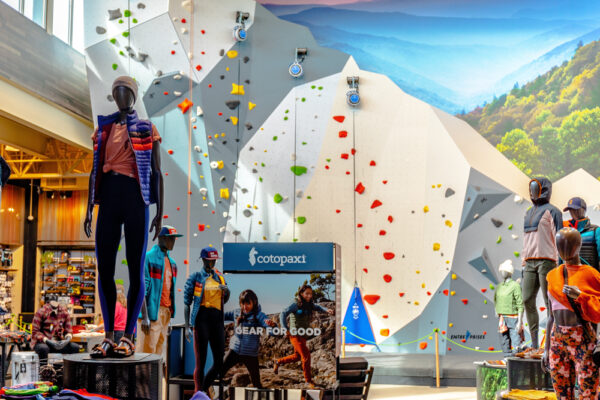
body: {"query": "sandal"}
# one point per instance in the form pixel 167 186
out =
pixel 126 348
pixel 104 349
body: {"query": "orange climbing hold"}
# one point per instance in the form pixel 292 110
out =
pixel 343 134
pixel 387 278
pixel 185 105
pixel 360 188
pixel 372 298
pixel 443 332
pixel 339 118
pixel 376 204
pixel 185 262
pixel 465 301
pixel 385 316
pixel 384 332
pixel 423 345
pixel 170 151
pixel 491 348
pixel 388 255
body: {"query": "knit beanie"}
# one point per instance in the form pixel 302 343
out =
pixel 507 266
pixel 127 82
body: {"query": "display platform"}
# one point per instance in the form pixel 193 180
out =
pixel 419 369
pixel 136 377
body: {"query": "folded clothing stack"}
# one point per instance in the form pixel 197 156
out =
pixel 34 391
pixel 518 394
pixel 80 394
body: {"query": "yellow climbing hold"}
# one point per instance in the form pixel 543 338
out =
pixel 433 186
pixel 224 193
pixel 223 134
pixel 423 285
pixel 205 154
pixel 237 89
pixel 418 271
pixel 452 293
pixel 426 209
pixel 439 185
pixel 232 54
pixel 430 337
pixel 227 69
pixel 217 135
pixel 416 303
pixel 447 261
pixel 449 223
pixel 255 207
pixel 260 222
pixel 450 324
pixel 248 206
pixel 251 106
pixel 454 276
pixel 436 246
pixel 264 238
pixel 220 164
pixel 207 226
pixel 234 120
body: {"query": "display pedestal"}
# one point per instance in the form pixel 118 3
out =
pixel 527 374
pixel 136 377
pixel 490 379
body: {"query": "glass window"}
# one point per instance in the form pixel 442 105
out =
pixel 78 26
pixel 13 3
pixel 60 19
pixel 34 10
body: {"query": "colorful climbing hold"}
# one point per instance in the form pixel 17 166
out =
pixel 436 246
pixel 237 89
pixel 465 301
pixel 385 316
pixel 366 270
pixel 360 188
pixel 301 220
pixel 499 240
pixel 170 151
pixel 448 223
pixel 344 156
pixel 115 66
pixel 278 198
pixel 390 219
pixel 201 227
pixel 384 332
pixel 452 293
pixel 517 254
pixel 339 118
pixel 251 106
pixel 234 120
pixel 450 324
pixel 343 134
pixel 401 294
pixel 454 277
pixel 387 278
pixel 388 255
pixel 510 227
pixel 372 298
pixel 542 309
pixel 483 290
pixel 423 345
pixel 376 204
pixel 298 170
pixel 232 54
pixel 224 193
pixel 382 232
pixel 372 163
pixel 185 105
pixel 426 209
pixel 445 291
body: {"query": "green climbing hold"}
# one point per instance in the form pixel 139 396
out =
pixel 259 179
pixel 121 53
pixel 313 86
pixel 119 281
pixel 298 170
pixel 485 302
pixel 295 240
pixel 278 198
pixel 262 164
pixel 517 254
pixel 113 41
pixel 499 240
pixel 115 66
pixel 492 287
pixel 328 159
pixel 436 330
pixel 120 247
pixel 309 197
pixel 124 262
pixel 285 118
pixel 127 13
pixel 304 143
pixel 510 227
pixel 135 21
pixel 320 87
pixel 301 220
pixel 121 21
pixel 287 111
pixel 274 138
pixel 303 99
pixel 126 34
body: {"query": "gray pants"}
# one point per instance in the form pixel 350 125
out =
pixel 511 337
pixel 534 278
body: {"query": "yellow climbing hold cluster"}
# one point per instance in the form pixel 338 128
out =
pixel 237 89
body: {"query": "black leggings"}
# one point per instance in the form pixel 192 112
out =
pixel 251 363
pixel 208 328
pixel 121 204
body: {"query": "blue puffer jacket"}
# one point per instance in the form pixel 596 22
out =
pixel 154 275
pixel 246 344
pixel 590 241
pixel 194 290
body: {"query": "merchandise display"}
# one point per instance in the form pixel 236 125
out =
pixel 6 284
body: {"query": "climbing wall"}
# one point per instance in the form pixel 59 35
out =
pixel 423 207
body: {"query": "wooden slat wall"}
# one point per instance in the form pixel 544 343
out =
pixel 12 215
pixel 61 221
pixel 42 63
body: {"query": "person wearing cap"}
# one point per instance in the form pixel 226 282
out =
pixel 160 273
pixel 205 293
pixel 590 240
pixel 508 304
pixel 124 182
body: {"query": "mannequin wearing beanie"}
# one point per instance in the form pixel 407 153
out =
pixel 125 180
pixel 509 309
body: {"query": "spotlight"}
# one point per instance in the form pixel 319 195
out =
pixel 352 96
pixel 239 31
pixel 295 68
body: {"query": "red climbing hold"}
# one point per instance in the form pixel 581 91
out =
pixel 542 308
pixel 443 332
pixel 367 247
pixel 484 332
pixel 220 114
pixel 387 278
pixel 465 301
pixel 166 93
pixel 343 134
pixel 445 292
pixel 338 211
pixel 183 20
pixel 198 67
pixel 327 167
pixel 339 118
pixel 483 290
pixel 170 151
pixel 366 270
pixel 165 216
pixel 372 298
pixel 385 182
pixel 388 255
pixel 360 188
pixel 423 345
pixel 376 204
pixel 185 262
pixel 464 340
pixel 382 232
pixel 178 209
pixel 353 151
pixel 347 172
pixel 199 162
pixel 385 316
pixel 172 51
pixel 201 227
pixel 345 156
pixel 359 225
pixel 210 85
pixel 428 293
pixel 491 348
pixel 401 294
pixel 372 163
pixel 390 219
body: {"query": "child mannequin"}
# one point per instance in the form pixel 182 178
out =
pixel 508 302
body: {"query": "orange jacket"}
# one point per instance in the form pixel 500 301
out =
pixel 587 279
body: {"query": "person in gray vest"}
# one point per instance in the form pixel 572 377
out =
pixel 590 239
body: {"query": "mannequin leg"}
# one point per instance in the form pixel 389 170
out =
pixel 531 285
pixel 201 336
pixel 544 268
pixel 217 346
pixel 136 239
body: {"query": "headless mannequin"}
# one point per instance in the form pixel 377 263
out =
pixel 568 242
pixel 507 276
pixel 577 214
pixel 125 99
pixel 208 267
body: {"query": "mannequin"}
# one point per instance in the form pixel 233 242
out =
pixel 208 292
pixel 569 357
pixel 509 309
pixel 542 221
pixel 590 239
pixel 125 180
pixel 51 330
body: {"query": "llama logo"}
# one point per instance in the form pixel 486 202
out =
pixel 252 256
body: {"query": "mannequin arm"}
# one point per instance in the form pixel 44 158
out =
pixel 145 319
pixel 187 329
pixel 157 222
pixel 87 225
pixel 520 322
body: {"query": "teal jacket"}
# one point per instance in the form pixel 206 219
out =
pixel 154 267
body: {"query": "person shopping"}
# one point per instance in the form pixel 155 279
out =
pixel 574 300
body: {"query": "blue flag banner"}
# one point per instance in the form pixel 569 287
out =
pixel 357 321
